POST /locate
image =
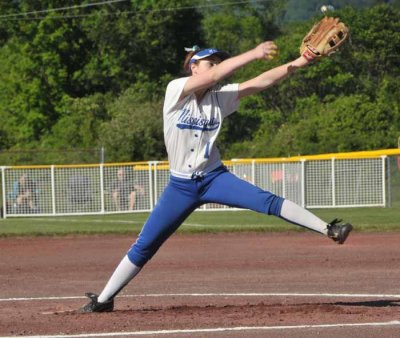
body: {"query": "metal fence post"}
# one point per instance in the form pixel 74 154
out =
pixel 283 180
pixel 101 168
pixel 3 189
pixel 384 180
pixel 53 190
pixel 388 181
pixel 333 172
pixel 253 172
pixel 151 184
pixel 303 183
pixel 102 155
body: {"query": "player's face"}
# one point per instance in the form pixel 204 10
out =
pixel 204 65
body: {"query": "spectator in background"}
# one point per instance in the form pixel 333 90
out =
pixel 123 191
pixel 25 195
pixel 79 190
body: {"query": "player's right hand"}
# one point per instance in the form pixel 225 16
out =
pixel 266 50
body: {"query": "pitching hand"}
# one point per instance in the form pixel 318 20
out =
pixel 266 50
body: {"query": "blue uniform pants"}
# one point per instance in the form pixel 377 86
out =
pixel 182 196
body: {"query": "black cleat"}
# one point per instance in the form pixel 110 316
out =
pixel 339 232
pixel 95 306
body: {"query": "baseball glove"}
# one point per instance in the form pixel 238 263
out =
pixel 324 38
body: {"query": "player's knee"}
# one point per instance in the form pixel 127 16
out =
pixel 274 205
pixel 143 250
pixel 137 258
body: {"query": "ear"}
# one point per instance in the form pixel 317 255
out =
pixel 193 67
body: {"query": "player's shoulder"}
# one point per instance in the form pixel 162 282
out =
pixel 175 87
pixel 177 83
pixel 173 93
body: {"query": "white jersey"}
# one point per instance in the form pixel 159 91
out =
pixel 191 128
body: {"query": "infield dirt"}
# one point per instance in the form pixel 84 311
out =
pixel 204 281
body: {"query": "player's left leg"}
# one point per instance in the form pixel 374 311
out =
pixel 228 189
pixel 176 203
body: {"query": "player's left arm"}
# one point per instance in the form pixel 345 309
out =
pixel 270 77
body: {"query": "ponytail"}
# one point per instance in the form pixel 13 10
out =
pixel 191 51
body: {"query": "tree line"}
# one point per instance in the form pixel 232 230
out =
pixel 94 76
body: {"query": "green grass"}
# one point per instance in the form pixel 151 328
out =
pixel 364 219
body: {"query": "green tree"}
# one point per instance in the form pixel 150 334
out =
pixel 140 37
pixel 239 27
pixel 135 128
pixel 79 123
pixel 299 10
pixel 95 76
pixel 307 103
pixel 52 57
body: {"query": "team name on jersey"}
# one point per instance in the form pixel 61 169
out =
pixel 186 121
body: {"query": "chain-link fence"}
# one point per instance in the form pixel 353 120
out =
pixel 322 181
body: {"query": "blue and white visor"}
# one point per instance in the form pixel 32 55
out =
pixel 205 53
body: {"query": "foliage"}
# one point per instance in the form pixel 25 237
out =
pixel 239 27
pixel 135 129
pixel 347 102
pixel 79 122
pixel 91 77
pixel 54 60
pixel 299 10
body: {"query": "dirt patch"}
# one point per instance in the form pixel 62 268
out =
pixel 200 281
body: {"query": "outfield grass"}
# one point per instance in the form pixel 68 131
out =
pixel 363 219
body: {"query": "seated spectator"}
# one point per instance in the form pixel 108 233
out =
pixel 277 176
pixel 79 189
pixel 25 194
pixel 123 192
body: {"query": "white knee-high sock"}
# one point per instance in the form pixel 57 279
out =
pixel 296 214
pixel 124 273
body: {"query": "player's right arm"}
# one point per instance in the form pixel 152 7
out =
pixel 218 72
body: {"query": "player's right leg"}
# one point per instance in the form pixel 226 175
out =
pixel 295 214
pixel 230 190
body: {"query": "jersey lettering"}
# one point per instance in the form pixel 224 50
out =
pixel 185 121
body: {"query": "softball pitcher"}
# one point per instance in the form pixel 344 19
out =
pixel 194 109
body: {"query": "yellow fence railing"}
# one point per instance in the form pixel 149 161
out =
pixel 163 165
